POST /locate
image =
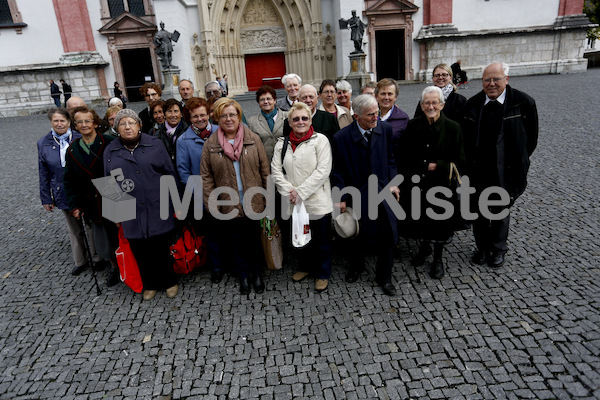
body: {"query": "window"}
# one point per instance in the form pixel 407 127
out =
pixel 10 17
pixel 118 7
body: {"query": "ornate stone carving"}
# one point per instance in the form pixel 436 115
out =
pixel 263 38
pixel 260 12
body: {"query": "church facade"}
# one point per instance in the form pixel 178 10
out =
pixel 93 43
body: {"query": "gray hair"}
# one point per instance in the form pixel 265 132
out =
pixel 505 67
pixel 291 76
pixel 308 86
pixel 344 85
pixel 185 80
pixel 124 113
pixel 362 102
pixel 114 101
pixel 213 83
pixel 433 89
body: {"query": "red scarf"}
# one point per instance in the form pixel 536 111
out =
pixel 202 134
pixel 294 141
pixel 232 151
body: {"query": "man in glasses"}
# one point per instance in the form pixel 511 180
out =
pixel 322 121
pixel 151 93
pixel 500 131
pixel 213 90
pixel 360 150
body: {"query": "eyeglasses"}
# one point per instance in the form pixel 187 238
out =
pixel 431 103
pixel 487 81
pixel 444 75
pixel 228 116
pixel 198 116
pixel 266 99
pixel 304 119
pixel 214 92
pixel 127 123
pixel 84 122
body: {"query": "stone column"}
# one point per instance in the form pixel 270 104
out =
pixel 171 83
pixel 358 72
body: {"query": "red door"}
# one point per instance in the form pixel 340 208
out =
pixel 265 69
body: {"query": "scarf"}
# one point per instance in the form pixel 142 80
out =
pixel 64 141
pixel 446 90
pixel 232 151
pixel 170 129
pixel 270 118
pixel 294 141
pixel 202 134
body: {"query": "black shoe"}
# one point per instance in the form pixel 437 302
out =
pixel 421 256
pixel 77 270
pixel 479 257
pixel 388 288
pixel 244 286
pixel 100 265
pixel 114 277
pixel 352 275
pixel 216 275
pixel 436 270
pixel 496 260
pixel 258 284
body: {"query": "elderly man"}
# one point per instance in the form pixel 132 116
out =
pixel 500 130
pixel 322 121
pixel 291 83
pixel 74 102
pixel 186 90
pixel 369 88
pixel 213 90
pixel 362 149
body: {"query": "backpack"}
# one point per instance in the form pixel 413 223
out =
pixel 189 252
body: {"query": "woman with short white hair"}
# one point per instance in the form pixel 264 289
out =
pixel 344 94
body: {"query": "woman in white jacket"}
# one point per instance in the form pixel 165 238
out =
pixel 303 176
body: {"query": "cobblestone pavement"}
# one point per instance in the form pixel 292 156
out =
pixel 528 330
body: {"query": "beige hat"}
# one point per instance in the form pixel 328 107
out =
pixel 346 224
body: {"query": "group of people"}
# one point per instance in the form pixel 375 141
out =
pixel 312 142
pixel 55 92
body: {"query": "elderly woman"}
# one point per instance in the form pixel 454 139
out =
pixel 84 162
pixel 455 102
pixel 52 149
pixel 173 127
pixel 109 119
pixel 344 94
pixel 328 95
pixel 234 161
pixel 158 117
pixel 307 162
pixel 149 235
pixel 428 146
pixel 269 123
pixel 292 84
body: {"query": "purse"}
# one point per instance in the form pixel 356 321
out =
pixel 271 243
pixel 189 252
pixel 128 266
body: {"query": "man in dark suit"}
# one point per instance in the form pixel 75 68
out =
pixel 500 131
pixel 322 121
pixel 362 149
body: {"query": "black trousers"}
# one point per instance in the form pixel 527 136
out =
pixel 491 235
pixel 240 247
pixel 153 256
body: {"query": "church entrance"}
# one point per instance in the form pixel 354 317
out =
pixel 264 69
pixel 390 54
pixel 137 70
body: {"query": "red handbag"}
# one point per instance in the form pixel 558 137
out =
pixel 189 252
pixel 128 267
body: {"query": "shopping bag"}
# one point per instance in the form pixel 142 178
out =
pixel 189 252
pixel 300 226
pixel 271 243
pixel 128 267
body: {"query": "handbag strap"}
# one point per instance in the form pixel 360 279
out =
pixel 454 174
pixel 286 141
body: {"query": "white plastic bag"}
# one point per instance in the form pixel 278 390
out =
pixel 300 226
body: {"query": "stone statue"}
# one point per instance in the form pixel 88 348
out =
pixel 357 30
pixel 164 48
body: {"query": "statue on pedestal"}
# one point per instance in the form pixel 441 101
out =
pixel 164 48
pixel 357 30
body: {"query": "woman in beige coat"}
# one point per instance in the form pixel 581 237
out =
pixel 234 161
pixel 303 177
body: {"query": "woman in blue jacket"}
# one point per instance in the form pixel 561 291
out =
pixel 51 161
pixel 143 160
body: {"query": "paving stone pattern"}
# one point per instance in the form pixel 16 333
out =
pixel 527 330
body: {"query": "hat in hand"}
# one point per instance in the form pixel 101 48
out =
pixel 346 224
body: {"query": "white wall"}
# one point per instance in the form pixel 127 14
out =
pixel 40 41
pixel 470 15
pixel 101 42
pixel 182 16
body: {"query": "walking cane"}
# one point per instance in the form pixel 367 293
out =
pixel 86 244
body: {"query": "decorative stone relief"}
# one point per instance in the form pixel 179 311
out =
pixel 260 12
pixel 263 38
